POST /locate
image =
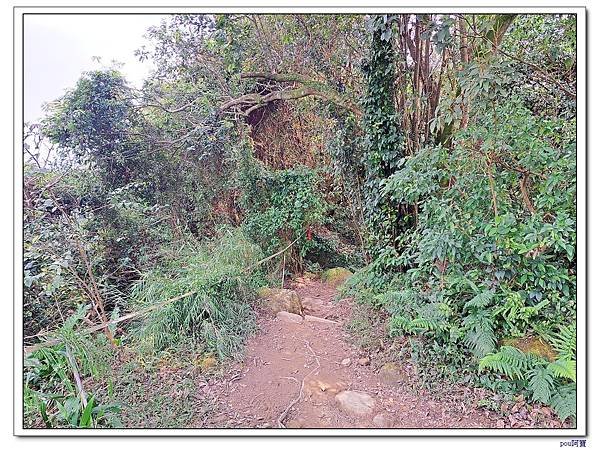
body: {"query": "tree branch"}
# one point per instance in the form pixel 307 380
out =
pixel 308 88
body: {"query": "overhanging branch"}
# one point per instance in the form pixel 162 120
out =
pixel 308 88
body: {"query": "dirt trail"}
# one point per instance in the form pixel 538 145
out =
pixel 297 375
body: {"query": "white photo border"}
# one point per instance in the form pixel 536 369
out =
pixel 582 241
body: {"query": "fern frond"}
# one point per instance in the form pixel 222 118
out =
pixel 481 342
pixel 480 336
pixel 455 333
pixel 509 361
pixel 530 311
pixel 563 368
pixel 425 324
pixel 564 401
pixel 481 300
pixel 444 309
pixel 565 342
pixel 400 325
pixel 541 384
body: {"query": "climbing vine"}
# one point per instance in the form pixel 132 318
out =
pixel 384 141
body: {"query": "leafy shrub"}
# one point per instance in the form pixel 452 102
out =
pixel 79 238
pixel 281 206
pixel 221 279
pixel 493 253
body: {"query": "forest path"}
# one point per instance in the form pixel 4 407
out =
pixel 310 375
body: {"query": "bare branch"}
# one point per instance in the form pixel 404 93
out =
pixel 309 88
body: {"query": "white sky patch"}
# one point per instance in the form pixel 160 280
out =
pixel 58 48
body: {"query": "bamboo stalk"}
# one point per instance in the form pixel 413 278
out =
pixel 135 314
pixel 76 376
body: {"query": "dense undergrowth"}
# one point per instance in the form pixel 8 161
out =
pixel 219 277
pixel 416 150
pixel 221 281
pixel 489 266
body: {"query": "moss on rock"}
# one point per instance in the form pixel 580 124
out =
pixel 278 300
pixel 264 292
pixel 532 344
pixel 336 276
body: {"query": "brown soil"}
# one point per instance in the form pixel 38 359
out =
pixel 292 372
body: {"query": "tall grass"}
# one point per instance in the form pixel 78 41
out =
pixel 217 315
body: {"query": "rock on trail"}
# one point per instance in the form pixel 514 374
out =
pixel 355 403
pixel 288 317
pixel 277 300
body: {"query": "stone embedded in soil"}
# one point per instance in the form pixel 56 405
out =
pixel 382 421
pixel 321 386
pixel 391 373
pixel 364 361
pixel 310 304
pixel 355 403
pixel 281 300
pixel 310 318
pixel 285 316
pixel 532 344
pixel 295 423
pixel 346 362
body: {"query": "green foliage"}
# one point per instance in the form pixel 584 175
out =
pixel 549 41
pixel 541 383
pixel 496 246
pixel 282 205
pixel 50 391
pixel 563 368
pixel 549 382
pixel 480 335
pixel 47 259
pixel 455 173
pixel 217 314
pixel 510 361
pixel 383 145
pixel 481 300
pixel 565 342
pixel 93 122
pixel 80 237
pixel 564 401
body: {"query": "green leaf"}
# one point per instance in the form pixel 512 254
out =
pixel 541 384
pixel 509 361
pixel 565 342
pixel 86 416
pixel 563 368
pixel 44 414
pixel 564 401
pixel 481 300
